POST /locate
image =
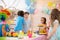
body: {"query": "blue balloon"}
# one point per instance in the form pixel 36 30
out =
pixel 49 12
pixel 28 2
pixel 31 10
pixel 46 10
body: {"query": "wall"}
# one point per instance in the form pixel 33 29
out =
pixel 37 16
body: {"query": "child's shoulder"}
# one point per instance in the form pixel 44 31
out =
pixel 56 21
pixel 42 25
pixel 20 17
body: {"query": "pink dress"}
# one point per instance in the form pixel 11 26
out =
pixel 41 37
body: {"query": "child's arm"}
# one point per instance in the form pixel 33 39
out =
pixel 55 25
pixel 3 30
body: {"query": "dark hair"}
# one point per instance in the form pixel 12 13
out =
pixel 3 18
pixel 26 13
pixel 20 13
pixel 44 20
pixel 55 15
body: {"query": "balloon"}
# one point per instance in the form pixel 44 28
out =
pixel 49 12
pixel 31 10
pixel 50 4
pixel 3 14
pixel 54 5
pixel 28 2
pixel 36 11
pixel 58 5
pixel 32 0
pixel 6 11
pixel 0 20
pixel 46 10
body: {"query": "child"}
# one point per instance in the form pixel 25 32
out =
pixel 42 30
pixel 19 21
pixel 4 28
pixel 42 26
pixel 27 24
pixel 54 31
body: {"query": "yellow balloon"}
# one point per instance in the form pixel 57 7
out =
pixel 50 4
pixel 54 5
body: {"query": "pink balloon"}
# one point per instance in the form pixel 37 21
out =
pixel 36 11
pixel 58 5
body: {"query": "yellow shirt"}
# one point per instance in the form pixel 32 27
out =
pixel 42 29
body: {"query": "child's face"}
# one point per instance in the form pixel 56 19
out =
pixel 42 20
pixel 26 15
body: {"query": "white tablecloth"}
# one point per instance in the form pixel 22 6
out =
pixel 24 38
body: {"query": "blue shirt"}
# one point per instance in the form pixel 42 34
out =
pixel 19 23
pixel 6 28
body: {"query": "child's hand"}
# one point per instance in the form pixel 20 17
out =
pixel 48 37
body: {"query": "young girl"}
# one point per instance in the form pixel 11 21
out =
pixel 54 31
pixel 42 30
pixel 42 26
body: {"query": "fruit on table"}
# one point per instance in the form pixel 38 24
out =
pixel 12 33
pixel 15 34
pixel 9 34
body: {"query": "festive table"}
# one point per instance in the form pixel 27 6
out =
pixel 17 38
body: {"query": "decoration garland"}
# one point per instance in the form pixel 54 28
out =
pixel 4 13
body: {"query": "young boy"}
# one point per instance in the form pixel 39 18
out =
pixel 19 21
pixel 27 23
